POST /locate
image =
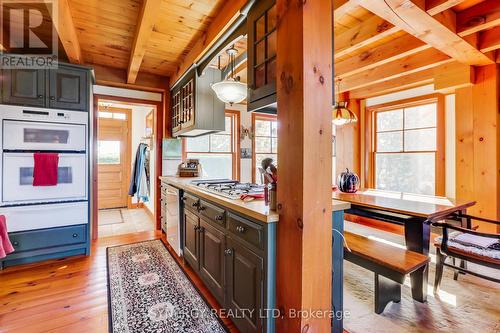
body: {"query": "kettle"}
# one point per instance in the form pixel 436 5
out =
pixel 348 182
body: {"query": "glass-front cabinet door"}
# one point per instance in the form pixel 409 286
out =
pixel 262 54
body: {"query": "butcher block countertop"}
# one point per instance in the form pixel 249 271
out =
pixel 255 209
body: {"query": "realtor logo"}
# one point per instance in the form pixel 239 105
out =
pixel 28 37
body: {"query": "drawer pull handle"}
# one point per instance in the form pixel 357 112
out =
pixel 218 217
pixel 40 96
pixel 196 228
pixel 15 243
pixel 240 229
pixel 195 204
pixel 202 208
pixel 52 98
pixel 228 252
pixel 183 198
pixel 75 235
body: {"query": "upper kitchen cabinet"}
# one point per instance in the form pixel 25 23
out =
pixel 261 27
pixel 24 87
pixel 66 87
pixel 195 109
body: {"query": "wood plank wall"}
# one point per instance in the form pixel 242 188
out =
pixel 478 144
pixel 348 140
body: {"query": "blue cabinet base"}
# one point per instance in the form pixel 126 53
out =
pixel 44 244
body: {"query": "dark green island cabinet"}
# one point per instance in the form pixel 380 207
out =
pixel 235 256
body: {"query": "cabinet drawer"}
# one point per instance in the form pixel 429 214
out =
pixel 246 230
pixel 212 212
pixel 44 238
pixel 191 202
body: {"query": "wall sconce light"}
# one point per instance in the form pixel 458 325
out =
pixel 246 132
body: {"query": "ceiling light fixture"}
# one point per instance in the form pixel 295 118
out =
pixel 230 90
pixel 341 114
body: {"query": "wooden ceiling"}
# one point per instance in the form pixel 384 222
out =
pixel 382 46
pixel 151 36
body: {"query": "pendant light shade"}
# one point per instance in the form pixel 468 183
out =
pixel 342 115
pixel 230 90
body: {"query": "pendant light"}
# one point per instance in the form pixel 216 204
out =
pixel 230 90
pixel 341 114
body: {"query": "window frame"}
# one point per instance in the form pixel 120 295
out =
pixel 371 138
pixel 235 144
pixel 258 116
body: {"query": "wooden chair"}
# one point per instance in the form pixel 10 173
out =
pixel 446 248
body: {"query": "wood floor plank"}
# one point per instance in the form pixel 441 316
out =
pixel 70 295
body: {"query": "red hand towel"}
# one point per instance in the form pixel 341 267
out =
pixel 45 170
pixel 5 245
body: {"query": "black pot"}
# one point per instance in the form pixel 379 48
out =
pixel 348 182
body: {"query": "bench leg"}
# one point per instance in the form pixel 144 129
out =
pixel 386 291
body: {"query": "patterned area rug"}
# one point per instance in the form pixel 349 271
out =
pixel 468 305
pixel 150 293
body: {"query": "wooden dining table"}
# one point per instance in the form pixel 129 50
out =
pixel 415 212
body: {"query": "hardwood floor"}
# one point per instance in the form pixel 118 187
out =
pixel 68 295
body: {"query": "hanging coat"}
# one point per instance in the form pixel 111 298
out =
pixel 139 182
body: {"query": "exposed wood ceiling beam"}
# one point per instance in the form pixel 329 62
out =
pixel 414 63
pixel 434 7
pixel 342 7
pixel 375 28
pixel 489 40
pixel 147 18
pixel 395 49
pixel 115 77
pixel 411 17
pixel 67 33
pixel 366 33
pixel 418 79
pixel 227 15
pixel 479 17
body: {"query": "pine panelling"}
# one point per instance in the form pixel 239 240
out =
pixel 401 83
pixel 479 17
pixel 376 56
pixel 227 14
pixel 106 30
pixel 489 40
pixel 477 132
pixel 366 33
pixel 304 96
pixel 348 141
pixel 449 77
pixel 423 60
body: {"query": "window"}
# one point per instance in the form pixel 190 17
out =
pixel 108 152
pixel 265 142
pixel 217 152
pixel 406 150
pixel 113 115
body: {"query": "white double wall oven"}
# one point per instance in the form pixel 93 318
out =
pixel 26 131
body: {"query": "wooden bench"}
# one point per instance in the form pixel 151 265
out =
pixel 390 265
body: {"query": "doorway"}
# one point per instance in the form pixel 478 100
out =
pixel 113 157
pixel 121 127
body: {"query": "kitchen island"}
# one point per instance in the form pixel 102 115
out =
pixel 231 245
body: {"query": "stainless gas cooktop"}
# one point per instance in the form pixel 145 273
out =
pixel 231 189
